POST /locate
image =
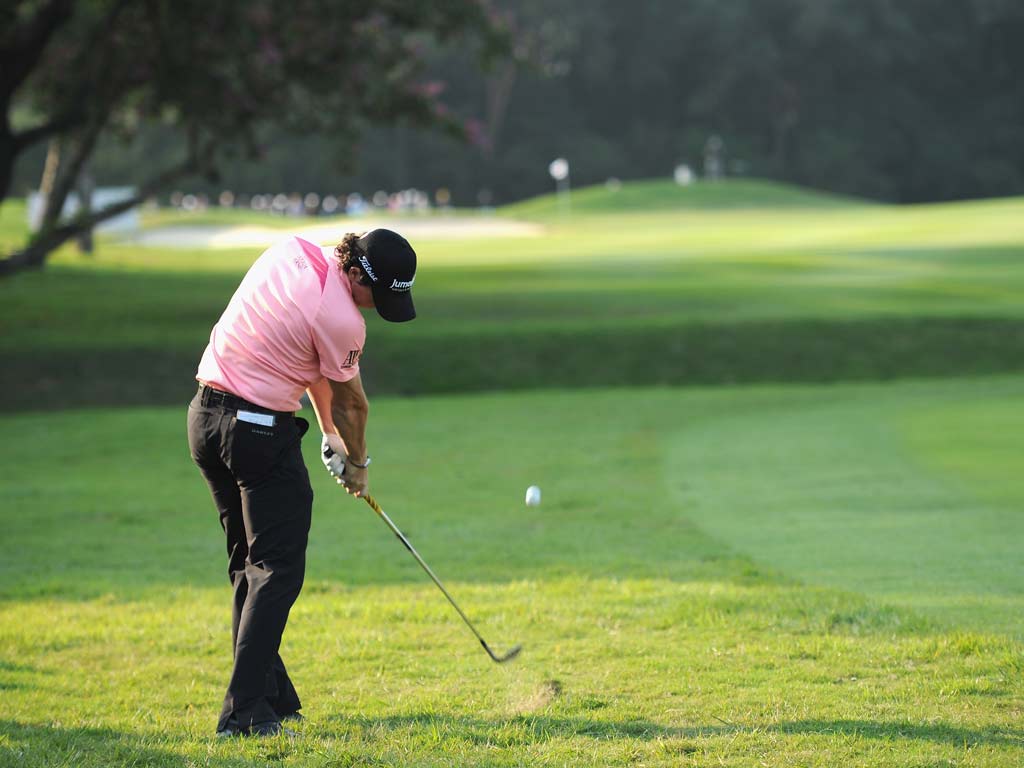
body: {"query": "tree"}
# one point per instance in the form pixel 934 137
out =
pixel 217 73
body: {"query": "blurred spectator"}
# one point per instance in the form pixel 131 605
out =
pixel 311 203
pixel 355 204
pixel 714 158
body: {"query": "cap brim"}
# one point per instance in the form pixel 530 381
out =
pixel 393 306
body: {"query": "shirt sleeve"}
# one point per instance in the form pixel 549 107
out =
pixel 339 346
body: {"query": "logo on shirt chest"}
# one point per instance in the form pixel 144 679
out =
pixel 352 358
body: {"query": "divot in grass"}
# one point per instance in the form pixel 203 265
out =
pixel 540 698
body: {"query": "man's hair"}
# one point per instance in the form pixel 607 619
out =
pixel 348 251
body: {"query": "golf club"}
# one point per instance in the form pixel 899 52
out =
pixel 401 537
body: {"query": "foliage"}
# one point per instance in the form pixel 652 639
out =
pixel 907 101
pixel 901 101
pixel 216 74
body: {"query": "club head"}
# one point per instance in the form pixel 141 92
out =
pixel 502 659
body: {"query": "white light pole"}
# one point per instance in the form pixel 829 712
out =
pixel 559 170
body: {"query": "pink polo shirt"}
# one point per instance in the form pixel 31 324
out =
pixel 291 322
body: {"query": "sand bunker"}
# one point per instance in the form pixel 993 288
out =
pixel 415 229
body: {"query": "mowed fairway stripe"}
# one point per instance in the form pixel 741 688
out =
pixel 909 493
pixel 905 490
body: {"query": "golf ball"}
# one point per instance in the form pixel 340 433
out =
pixel 532 496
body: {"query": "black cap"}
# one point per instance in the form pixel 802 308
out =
pixel 390 264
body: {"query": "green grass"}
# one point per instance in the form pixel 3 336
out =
pixel 772 575
pixel 665 195
pixel 13 225
pixel 769 575
pixel 812 291
pixel 900 493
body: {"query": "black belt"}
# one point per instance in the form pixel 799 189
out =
pixel 208 396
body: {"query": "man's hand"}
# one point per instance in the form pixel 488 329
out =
pixel 356 479
pixel 332 451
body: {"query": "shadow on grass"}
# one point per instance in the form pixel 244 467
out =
pixel 939 733
pixel 687 354
pixel 9 670
pixel 532 729
pixel 28 745
pixel 522 729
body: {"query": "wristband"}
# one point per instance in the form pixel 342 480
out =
pixel 357 464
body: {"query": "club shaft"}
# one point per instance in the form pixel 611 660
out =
pixel 401 537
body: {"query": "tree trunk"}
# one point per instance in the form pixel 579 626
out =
pixel 50 167
pixel 33 256
pixel 52 235
pixel 499 91
pixel 24 44
pixel 6 167
pixel 69 156
pixel 8 151
pixel 84 189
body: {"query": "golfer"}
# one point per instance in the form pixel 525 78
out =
pixel 293 326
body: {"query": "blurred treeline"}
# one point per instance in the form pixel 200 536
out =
pixel 904 101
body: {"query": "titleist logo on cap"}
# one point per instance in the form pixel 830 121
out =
pixel 402 285
pixel 367 268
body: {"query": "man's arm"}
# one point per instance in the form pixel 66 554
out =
pixel 349 410
pixel 320 397
pixel 342 409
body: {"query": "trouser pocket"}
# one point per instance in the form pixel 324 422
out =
pixel 251 450
pixel 203 427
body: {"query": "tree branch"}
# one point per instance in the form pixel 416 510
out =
pixel 147 190
pixel 47 241
pixel 68 174
pixel 60 124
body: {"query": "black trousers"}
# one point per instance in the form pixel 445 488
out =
pixel 261 489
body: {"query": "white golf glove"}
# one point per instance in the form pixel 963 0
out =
pixel 332 452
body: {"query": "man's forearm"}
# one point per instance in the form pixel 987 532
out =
pixel 320 396
pixel 350 419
